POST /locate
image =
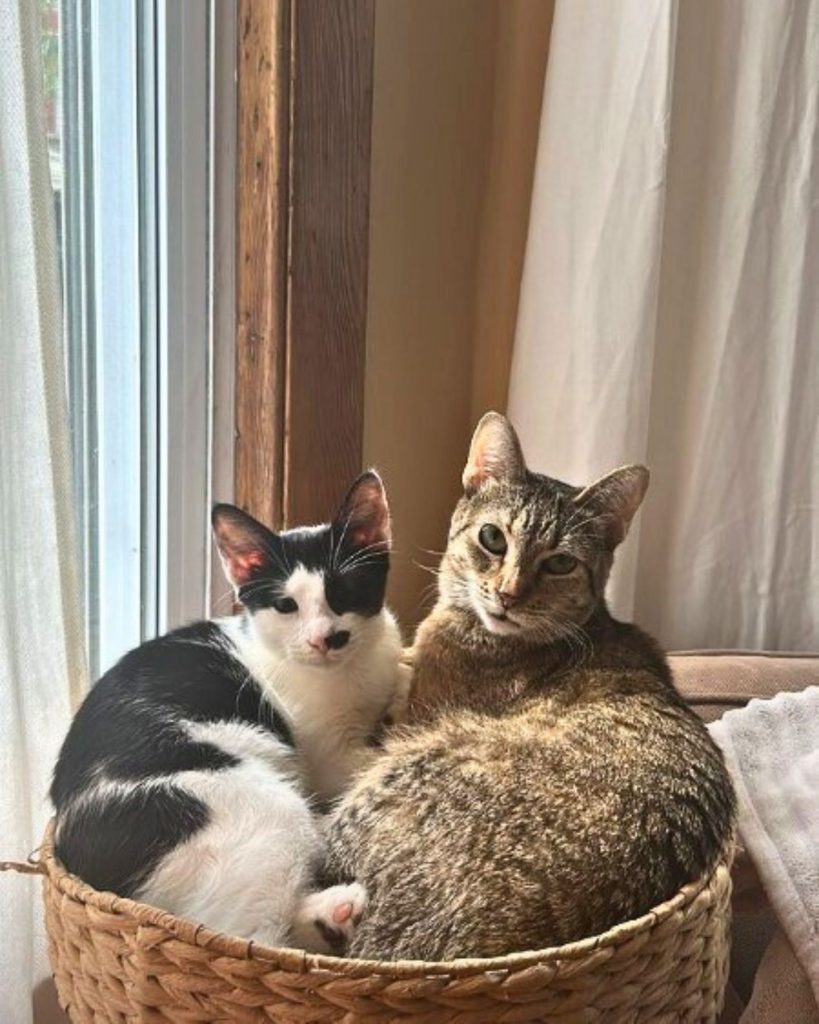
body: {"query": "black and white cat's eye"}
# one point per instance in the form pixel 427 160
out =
pixel 491 538
pixel 285 605
pixel 559 565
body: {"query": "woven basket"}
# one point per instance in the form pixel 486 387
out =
pixel 115 960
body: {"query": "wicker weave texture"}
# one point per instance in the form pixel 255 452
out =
pixel 119 961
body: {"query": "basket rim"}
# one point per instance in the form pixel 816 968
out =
pixel 302 962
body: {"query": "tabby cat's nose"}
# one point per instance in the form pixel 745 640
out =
pixel 506 598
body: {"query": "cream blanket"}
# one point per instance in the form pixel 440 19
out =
pixel 772 751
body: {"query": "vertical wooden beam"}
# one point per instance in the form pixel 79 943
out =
pixel 263 147
pixel 330 168
pixel 305 96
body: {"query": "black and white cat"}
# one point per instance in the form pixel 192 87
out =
pixel 186 778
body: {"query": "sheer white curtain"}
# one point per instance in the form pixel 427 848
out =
pixel 669 307
pixel 41 640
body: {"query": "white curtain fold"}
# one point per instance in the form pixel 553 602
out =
pixel 670 303
pixel 42 667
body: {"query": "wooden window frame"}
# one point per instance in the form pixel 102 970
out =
pixel 304 93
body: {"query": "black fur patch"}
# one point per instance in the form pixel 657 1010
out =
pixel 128 728
pixel 115 845
pixel 355 580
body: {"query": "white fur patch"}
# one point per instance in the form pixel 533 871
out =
pixel 248 870
pixel 336 701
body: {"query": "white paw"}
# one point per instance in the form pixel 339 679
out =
pixel 334 913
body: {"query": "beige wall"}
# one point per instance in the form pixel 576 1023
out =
pixel 457 87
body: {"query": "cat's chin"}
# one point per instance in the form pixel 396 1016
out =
pixel 316 660
pixel 499 624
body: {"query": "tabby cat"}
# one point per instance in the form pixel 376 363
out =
pixel 553 783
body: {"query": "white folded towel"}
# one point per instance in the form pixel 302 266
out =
pixel 771 748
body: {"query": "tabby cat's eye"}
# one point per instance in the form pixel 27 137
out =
pixel 285 605
pixel 492 538
pixel 560 565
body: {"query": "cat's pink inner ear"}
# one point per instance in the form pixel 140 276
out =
pixel 365 515
pixel 241 543
pixel 244 563
pixel 494 454
pixel 618 495
pixel 240 562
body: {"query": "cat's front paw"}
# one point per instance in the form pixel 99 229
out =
pixel 332 915
pixel 397 711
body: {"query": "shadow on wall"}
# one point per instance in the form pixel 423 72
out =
pixel 456 106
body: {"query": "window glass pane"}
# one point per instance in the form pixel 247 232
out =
pixel 102 288
pixel 50 47
pixel 130 107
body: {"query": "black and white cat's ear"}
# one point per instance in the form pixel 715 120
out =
pixel 616 497
pixel 495 454
pixel 363 521
pixel 245 546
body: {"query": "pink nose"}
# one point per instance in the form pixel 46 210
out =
pixel 318 643
pixel 333 641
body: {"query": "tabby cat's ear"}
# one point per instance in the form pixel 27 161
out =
pixel 494 455
pixel 364 517
pixel 616 497
pixel 245 546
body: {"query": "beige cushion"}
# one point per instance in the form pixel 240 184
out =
pixel 715 681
